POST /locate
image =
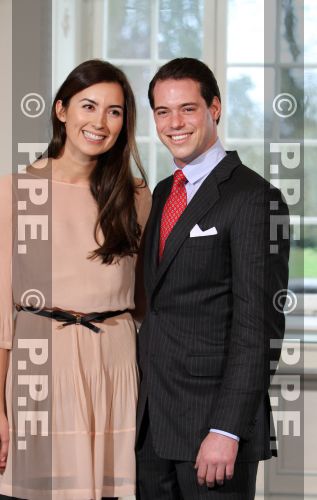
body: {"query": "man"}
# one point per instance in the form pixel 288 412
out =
pixel 210 278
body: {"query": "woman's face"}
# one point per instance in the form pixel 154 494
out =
pixel 93 120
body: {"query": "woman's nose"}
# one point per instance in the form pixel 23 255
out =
pixel 100 121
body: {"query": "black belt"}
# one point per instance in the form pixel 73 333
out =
pixel 73 319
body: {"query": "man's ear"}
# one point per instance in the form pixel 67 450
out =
pixel 60 111
pixel 215 108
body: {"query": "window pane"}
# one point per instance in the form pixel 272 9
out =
pixel 310 182
pixel 304 252
pixel 139 77
pixel 310 251
pixel 305 249
pixel 292 31
pixel 164 163
pixel 311 105
pixel 143 149
pixel 310 39
pixel 245 102
pixel 129 29
pixel 180 28
pixel 245 24
pixel 292 82
pixel 251 155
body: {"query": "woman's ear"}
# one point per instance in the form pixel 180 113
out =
pixel 60 111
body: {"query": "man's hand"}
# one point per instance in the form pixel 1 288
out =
pixel 215 459
pixel 4 441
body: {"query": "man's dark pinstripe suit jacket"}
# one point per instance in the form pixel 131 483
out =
pixel 204 346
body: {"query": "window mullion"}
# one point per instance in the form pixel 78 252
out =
pixel 220 64
pixel 154 63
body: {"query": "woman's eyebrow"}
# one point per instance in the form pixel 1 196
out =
pixel 91 101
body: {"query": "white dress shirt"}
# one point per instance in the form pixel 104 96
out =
pixel 197 170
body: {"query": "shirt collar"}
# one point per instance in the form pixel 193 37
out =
pixel 201 166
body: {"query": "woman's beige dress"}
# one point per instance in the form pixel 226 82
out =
pixel 92 377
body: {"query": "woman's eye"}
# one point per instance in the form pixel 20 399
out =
pixel 116 112
pixel 88 106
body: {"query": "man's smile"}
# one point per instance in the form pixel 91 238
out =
pixel 180 138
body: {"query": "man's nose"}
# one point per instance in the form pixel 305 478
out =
pixel 177 120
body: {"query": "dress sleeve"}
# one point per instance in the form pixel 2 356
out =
pixel 143 202
pixel 6 302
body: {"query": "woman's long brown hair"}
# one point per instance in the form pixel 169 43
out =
pixel 111 182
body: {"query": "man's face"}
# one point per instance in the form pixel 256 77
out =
pixel 183 120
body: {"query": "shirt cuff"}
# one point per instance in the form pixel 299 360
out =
pixel 224 433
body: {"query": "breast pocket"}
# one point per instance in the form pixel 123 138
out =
pixel 203 241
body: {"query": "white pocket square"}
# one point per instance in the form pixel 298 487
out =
pixel 196 231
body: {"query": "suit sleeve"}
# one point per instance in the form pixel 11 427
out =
pixel 259 272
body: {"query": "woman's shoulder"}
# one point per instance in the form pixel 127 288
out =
pixel 143 199
pixel 6 182
pixel 6 179
pixel 6 189
pixel 139 183
pixel 142 189
pixel 9 181
pixel 37 168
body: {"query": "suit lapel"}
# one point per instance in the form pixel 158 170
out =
pixel 204 199
pixel 153 231
pixel 208 195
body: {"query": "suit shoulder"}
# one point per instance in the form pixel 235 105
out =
pixel 250 181
pixel 164 182
pixel 250 177
pixel 162 185
pixel 247 186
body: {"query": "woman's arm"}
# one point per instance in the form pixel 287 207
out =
pixel 6 232
pixel 139 292
pixel 143 206
pixel 4 427
pixel 3 375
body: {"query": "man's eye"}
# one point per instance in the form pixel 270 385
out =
pixel 189 110
pixel 161 113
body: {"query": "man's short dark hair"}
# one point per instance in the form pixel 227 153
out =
pixel 187 67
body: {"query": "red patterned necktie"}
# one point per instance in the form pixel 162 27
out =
pixel 173 208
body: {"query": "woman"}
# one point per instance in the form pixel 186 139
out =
pixel 84 269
